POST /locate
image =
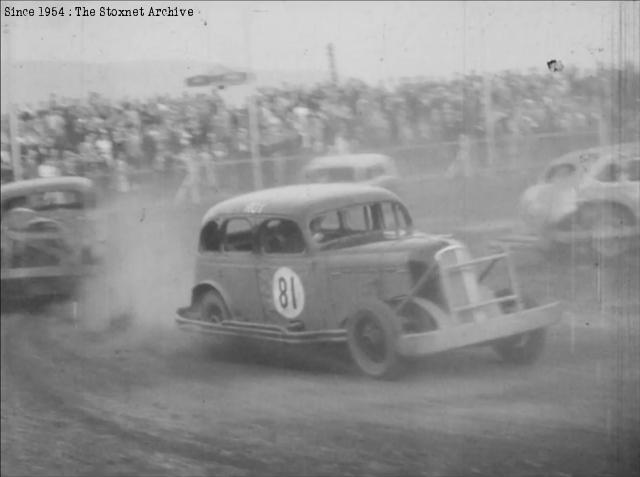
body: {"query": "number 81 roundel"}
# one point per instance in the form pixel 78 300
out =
pixel 287 293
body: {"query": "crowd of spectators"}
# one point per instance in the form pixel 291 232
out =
pixel 96 135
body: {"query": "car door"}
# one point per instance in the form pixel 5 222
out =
pixel 290 279
pixel 235 269
pixel 66 206
pixel 615 181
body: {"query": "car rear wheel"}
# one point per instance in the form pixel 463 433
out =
pixel 524 348
pixel 372 335
pixel 210 307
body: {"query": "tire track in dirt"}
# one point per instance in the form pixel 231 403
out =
pixel 23 375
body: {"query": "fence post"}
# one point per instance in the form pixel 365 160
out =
pixel 488 120
pixel 254 133
pixel 16 158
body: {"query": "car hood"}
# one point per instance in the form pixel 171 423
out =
pixel 548 204
pixel 417 246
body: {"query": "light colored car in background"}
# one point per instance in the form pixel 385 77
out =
pixel 590 196
pixel 48 235
pixel 373 169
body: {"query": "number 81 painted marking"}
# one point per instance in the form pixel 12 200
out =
pixel 287 293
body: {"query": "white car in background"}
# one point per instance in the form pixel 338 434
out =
pixel 372 169
pixel 590 196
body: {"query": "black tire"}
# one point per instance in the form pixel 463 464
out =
pixel 372 334
pixel 210 307
pixel 524 348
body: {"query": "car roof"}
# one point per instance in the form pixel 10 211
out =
pixel 299 200
pixel 48 184
pixel 578 157
pixel 348 160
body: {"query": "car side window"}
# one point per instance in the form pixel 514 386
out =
pixel 388 216
pixel 238 236
pixel 210 237
pixel 369 222
pixel 63 199
pixel 611 172
pixel 392 217
pixel 357 218
pixel 325 227
pixel 280 236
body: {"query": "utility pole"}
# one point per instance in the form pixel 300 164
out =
pixel 13 120
pixel 332 63
pixel 489 120
pixel 254 127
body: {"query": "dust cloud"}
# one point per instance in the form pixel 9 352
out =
pixel 145 272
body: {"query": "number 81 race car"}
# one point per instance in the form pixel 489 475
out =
pixel 342 263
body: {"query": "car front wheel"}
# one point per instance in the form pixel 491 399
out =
pixel 372 336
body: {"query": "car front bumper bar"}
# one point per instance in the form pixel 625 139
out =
pixel 477 333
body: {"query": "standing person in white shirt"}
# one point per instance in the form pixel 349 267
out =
pixel 462 163
pixel 208 162
pixel 121 170
pixel 191 184
pixel 48 168
pixel 105 148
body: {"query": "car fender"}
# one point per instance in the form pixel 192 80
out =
pixel 441 318
pixel 547 204
pixel 210 284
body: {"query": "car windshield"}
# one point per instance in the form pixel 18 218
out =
pixel 360 224
pixel 333 174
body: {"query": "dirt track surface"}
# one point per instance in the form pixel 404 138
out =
pixel 118 396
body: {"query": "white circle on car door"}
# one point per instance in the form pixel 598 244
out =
pixel 287 293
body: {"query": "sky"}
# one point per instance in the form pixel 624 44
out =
pixel 373 40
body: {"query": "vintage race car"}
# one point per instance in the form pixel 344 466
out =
pixel 342 263
pixel 372 169
pixel 587 197
pixel 48 235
